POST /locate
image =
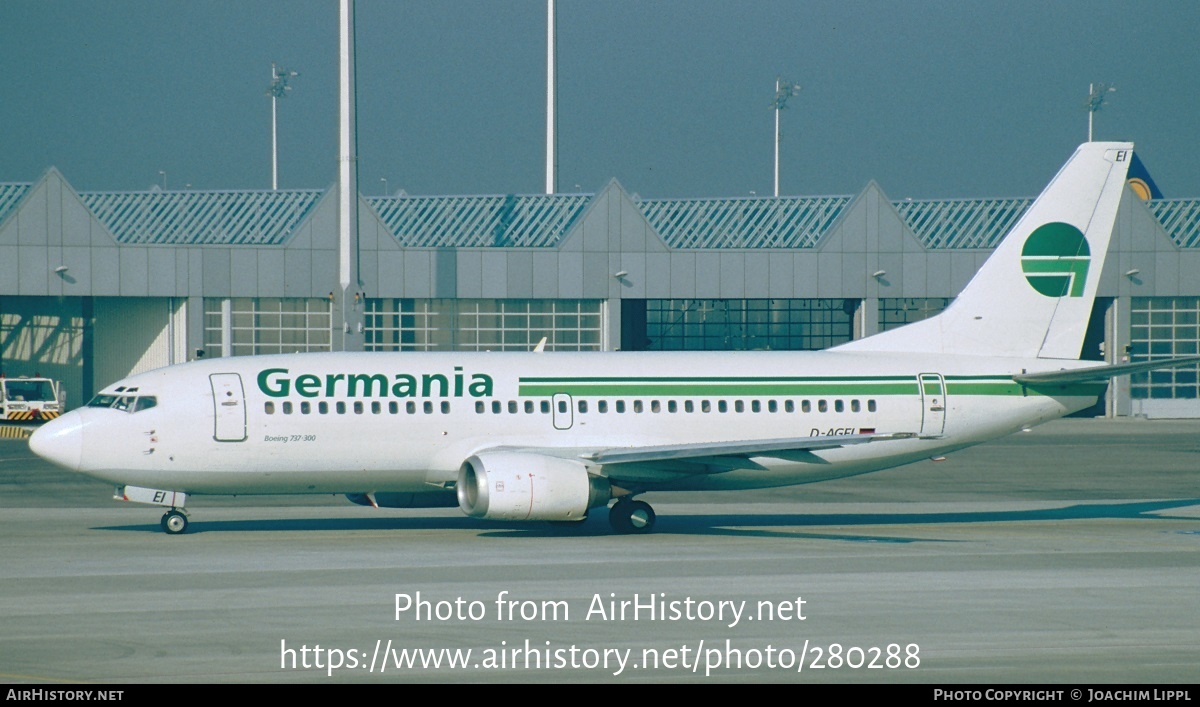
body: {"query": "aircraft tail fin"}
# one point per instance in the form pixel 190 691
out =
pixel 1033 296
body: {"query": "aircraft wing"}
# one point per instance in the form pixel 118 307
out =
pixel 659 463
pixel 780 448
pixel 1094 373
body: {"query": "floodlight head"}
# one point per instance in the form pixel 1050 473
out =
pixel 1096 97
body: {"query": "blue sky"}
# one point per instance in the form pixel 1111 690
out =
pixel 671 98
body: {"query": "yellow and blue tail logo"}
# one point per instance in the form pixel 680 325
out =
pixel 1140 182
pixel 1055 260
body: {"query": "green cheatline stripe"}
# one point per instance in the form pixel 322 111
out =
pixel 717 390
pixel 1075 389
pixel 750 387
pixel 749 379
pixel 981 388
pixel 719 379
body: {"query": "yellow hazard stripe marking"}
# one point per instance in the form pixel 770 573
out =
pixel 22 415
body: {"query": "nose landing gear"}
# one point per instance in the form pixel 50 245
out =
pixel 174 522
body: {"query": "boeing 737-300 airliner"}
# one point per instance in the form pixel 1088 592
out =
pixel 552 436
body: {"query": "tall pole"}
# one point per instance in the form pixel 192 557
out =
pixel 278 89
pixel 348 269
pixel 783 91
pixel 551 157
pixel 274 134
pixel 777 109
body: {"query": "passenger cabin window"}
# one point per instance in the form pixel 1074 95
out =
pixel 602 406
pixel 268 407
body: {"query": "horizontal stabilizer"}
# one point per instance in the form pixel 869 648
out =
pixel 1094 373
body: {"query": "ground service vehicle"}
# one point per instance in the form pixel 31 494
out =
pixel 27 399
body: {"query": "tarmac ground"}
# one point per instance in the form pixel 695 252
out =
pixel 1068 555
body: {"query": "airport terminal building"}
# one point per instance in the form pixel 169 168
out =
pixel 95 286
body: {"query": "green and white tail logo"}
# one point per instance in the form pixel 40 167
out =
pixel 1055 260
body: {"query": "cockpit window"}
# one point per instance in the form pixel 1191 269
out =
pixel 128 403
pixel 102 400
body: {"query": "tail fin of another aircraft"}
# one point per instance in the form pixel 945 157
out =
pixel 1033 296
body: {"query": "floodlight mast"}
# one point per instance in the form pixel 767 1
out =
pixel 783 91
pixel 278 89
pixel 551 103
pixel 1097 92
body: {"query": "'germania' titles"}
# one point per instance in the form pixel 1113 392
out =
pixel 279 383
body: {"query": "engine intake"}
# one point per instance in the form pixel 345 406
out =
pixel 524 486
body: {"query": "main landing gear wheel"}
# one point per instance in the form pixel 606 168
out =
pixel 631 517
pixel 174 522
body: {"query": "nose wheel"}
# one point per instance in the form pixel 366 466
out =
pixel 628 517
pixel 174 522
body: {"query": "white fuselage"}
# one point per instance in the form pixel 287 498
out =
pixel 405 422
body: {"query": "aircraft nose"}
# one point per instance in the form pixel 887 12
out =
pixel 60 441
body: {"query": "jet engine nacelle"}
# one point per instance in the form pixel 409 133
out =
pixel 523 486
